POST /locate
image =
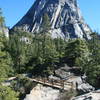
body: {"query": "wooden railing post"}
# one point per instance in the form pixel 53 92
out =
pixel 72 85
pixel 60 84
pixel 63 84
pixel 44 80
pixel 52 82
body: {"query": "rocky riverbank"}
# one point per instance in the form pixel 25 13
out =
pixel 95 95
pixel 41 92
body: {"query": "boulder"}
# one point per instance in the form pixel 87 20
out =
pixel 95 95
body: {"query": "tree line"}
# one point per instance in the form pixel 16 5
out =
pixel 40 54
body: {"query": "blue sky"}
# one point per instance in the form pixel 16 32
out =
pixel 13 10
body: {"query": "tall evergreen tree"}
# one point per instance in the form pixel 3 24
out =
pixel 1 19
pixel 5 58
pixel 93 71
pixel 76 51
pixel 45 23
pixel 6 93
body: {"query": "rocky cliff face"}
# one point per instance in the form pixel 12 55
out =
pixel 65 18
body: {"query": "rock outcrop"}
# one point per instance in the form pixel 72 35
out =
pixel 79 82
pixel 65 19
pixel 95 95
pixel 81 85
pixel 41 92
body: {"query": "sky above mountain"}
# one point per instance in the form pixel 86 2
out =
pixel 13 10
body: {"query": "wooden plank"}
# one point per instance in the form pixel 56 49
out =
pixel 52 83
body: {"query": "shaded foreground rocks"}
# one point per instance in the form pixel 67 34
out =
pixel 41 92
pixel 78 81
pixel 95 95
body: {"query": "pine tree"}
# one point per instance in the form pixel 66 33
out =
pixel 76 51
pixel 6 93
pixel 45 23
pixel 5 58
pixel 93 66
pixel 5 61
pixel 1 19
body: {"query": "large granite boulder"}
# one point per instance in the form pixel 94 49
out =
pixel 78 81
pixel 95 95
pixel 81 85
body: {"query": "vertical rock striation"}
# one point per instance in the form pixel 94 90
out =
pixel 65 18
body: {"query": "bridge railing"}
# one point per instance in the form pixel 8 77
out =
pixel 53 82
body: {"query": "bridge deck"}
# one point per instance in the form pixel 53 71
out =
pixel 59 84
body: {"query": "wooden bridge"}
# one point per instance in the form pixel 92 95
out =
pixel 58 84
pixel 54 83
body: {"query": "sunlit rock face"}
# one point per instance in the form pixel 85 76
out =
pixel 95 95
pixel 65 18
pixel 43 93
